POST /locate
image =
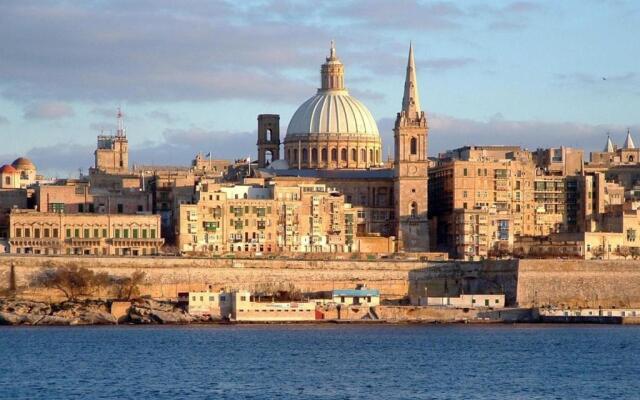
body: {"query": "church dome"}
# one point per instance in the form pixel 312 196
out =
pixel 22 164
pixel 332 112
pixel 332 130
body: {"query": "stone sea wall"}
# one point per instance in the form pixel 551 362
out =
pixel 526 283
pixel 166 277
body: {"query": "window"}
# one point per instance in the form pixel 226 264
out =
pixel 414 146
pixel 304 155
pixel 36 232
pixel 125 233
pixel 96 233
pixel 18 232
pixel 68 233
pixel 223 298
pixel 334 155
pixel 212 298
pixel 86 233
pixel 343 154
pixel 117 233
pixel 7 180
pixel 354 155
pixel 80 207
pixel 414 209
pixel 341 299
pixel 243 298
pixel 55 232
pixel 464 172
pixel 104 233
pixel 363 155
pixel 324 154
pixel 76 233
pixel 144 233
pixel 135 233
pixel 120 208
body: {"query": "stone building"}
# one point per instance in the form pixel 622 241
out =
pixel 33 232
pixel 483 197
pixel 259 218
pixel 112 152
pixel 333 139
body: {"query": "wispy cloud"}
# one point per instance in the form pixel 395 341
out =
pixel 48 111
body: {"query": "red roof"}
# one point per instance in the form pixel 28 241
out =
pixel 7 169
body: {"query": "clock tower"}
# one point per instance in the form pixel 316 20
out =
pixel 411 168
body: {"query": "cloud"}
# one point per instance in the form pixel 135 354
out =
pixel 160 115
pixel 3 120
pixel 48 111
pixel 151 51
pixel 447 132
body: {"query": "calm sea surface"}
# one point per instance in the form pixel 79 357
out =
pixel 321 362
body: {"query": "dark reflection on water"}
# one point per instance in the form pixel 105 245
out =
pixel 321 362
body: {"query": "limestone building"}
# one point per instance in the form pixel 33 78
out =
pixel 33 232
pixel 112 152
pixel 259 218
pixel 332 139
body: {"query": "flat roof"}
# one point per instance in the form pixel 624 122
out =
pixel 356 292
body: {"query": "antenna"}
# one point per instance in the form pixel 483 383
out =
pixel 121 131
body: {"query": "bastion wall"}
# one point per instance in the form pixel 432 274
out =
pixel 525 283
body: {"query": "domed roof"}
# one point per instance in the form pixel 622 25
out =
pixel 22 164
pixel 332 112
pixel 7 169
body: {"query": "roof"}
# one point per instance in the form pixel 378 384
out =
pixel 383 173
pixel 23 163
pixel 7 169
pixel 332 112
pixel 356 292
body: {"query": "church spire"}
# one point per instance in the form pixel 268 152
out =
pixel 411 99
pixel 628 143
pixel 608 148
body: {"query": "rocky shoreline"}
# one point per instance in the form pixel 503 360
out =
pixel 92 312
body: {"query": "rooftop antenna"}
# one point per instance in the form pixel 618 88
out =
pixel 121 131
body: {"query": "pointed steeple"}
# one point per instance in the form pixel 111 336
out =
pixel 628 142
pixel 411 99
pixel 608 148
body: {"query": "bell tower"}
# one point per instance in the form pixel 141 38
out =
pixel 411 168
pixel 268 139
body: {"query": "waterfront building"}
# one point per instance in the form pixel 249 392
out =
pixel 246 307
pixel 466 301
pixel 264 218
pixel 33 232
pixel 483 197
pixel 360 296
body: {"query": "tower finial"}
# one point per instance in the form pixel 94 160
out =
pixel 120 132
pixel 332 50
pixel 411 98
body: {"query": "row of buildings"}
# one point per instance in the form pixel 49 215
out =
pixel 325 188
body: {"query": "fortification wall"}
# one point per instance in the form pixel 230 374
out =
pixel 526 283
pixel 165 277
pixel 579 283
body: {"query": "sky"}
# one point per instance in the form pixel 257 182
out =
pixel 193 75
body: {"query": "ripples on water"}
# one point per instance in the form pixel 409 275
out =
pixel 320 362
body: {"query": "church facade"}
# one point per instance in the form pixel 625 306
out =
pixel 333 139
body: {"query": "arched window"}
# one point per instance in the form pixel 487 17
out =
pixel 304 155
pixel 414 146
pixel 295 156
pixel 371 160
pixel 7 180
pixel 314 155
pixel 334 155
pixel 378 160
pixel 363 155
pixel 630 158
pixel 414 209
pixel 323 153
pixel 354 155
pixel 343 155
pixel 268 135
